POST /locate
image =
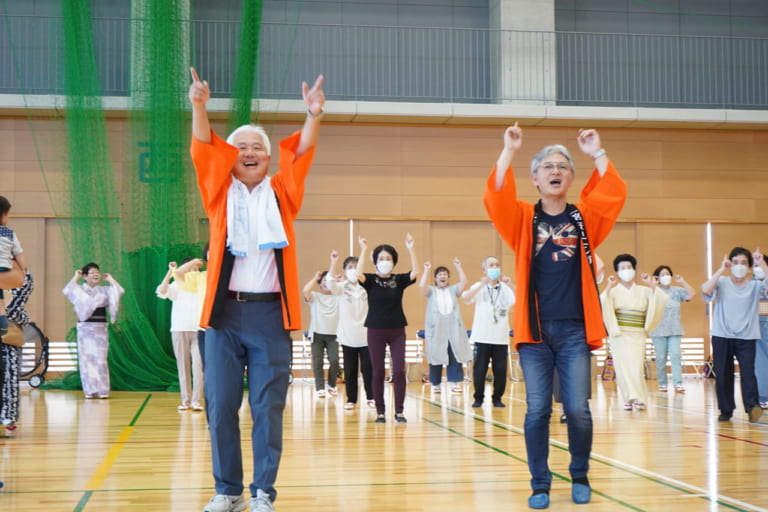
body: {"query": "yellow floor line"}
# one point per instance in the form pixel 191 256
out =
pixel 97 479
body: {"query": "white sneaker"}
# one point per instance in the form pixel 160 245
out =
pixel 226 503
pixel 320 393
pixel 457 389
pixel 261 503
pixel 371 403
pixel 436 389
pixel 332 391
pixel 349 405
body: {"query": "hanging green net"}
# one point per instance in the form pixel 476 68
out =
pixel 133 228
pixel 135 216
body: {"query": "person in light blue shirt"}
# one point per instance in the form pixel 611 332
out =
pixel 735 329
pixel 668 334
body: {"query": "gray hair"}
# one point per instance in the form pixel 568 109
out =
pixel 548 150
pixel 485 261
pixel 251 128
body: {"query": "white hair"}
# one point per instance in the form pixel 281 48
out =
pixel 251 128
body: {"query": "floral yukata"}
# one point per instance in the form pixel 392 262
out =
pixel 91 306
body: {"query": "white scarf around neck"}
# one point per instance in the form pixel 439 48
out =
pixel 269 231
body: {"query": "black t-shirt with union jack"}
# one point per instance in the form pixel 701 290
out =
pixel 557 267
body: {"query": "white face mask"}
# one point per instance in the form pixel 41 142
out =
pixel 351 274
pixel 384 267
pixel 626 274
pixel 665 280
pixel 758 273
pixel 739 271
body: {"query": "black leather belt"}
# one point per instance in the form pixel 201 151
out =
pixel 253 297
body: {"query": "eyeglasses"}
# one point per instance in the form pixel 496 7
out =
pixel 549 167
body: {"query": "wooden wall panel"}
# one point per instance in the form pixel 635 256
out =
pixel 471 242
pixel 58 269
pixel 682 247
pixel 727 236
pixel 393 233
pixel 315 239
pixel 623 239
pixel 430 179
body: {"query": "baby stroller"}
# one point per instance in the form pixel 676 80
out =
pixel 34 358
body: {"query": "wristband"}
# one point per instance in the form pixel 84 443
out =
pixel 598 154
pixel 315 116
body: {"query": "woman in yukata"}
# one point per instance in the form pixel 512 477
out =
pixel 92 301
pixel 630 312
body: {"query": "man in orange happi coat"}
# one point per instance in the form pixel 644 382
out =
pixel 252 297
pixel 557 314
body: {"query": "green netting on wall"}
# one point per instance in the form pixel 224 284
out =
pixel 246 77
pixel 135 213
pixel 135 226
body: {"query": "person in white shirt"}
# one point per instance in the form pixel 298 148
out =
pixel 324 310
pixel 185 314
pixel 351 331
pixel 493 297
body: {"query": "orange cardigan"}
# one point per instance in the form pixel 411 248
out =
pixel 213 163
pixel 601 202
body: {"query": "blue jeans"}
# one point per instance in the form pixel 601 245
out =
pixel 251 336
pixel 454 370
pixel 761 360
pixel 564 347
pixel 663 345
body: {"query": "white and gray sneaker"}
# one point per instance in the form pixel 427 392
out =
pixel 261 503
pixel 225 503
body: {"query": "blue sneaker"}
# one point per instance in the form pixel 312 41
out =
pixel 539 501
pixel 581 493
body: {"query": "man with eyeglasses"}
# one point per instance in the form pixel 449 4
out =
pixel 557 319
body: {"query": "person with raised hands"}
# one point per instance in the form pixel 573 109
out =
pixel 386 320
pixel 351 331
pixel 253 295
pixel 445 336
pixel 557 314
pixel 736 328
pixel 630 312
pixel 667 336
pixel 493 296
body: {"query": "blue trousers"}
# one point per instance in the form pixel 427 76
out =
pixel 564 347
pixel 454 370
pixel 251 336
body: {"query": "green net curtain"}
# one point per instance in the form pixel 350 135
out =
pixel 134 215
pixel 135 227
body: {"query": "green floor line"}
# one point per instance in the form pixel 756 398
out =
pixel 553 445
pixel 519 459
pixel 83 501
pixel 141 409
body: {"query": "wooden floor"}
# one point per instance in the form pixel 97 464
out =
pixel 135 452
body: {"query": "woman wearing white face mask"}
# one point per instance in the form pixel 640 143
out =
pixel 629 312
pixel 386 319
pixel 667 335
pixel 351 331
pixel 735 328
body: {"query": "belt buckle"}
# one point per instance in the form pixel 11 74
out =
pixel 237 297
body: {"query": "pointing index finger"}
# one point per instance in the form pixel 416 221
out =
pixel 192 72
